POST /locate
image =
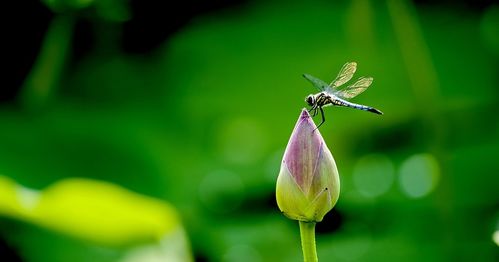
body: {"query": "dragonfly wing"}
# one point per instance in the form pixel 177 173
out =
pixel 344 75
pixel 319 84
pixel 356 88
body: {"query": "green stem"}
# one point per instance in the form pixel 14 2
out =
pixel 47 70
pixel 307 234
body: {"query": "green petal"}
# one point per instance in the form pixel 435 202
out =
pixel 322 204
pixel 290 198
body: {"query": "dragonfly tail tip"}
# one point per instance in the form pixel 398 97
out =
pixel 376 111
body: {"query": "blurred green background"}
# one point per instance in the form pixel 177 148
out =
pixel 150 131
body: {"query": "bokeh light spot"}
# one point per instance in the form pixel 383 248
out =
pixel 419 175
pixel 221 191
pixel 495 237
pixel 373 175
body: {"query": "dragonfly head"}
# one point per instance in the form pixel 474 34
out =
pixel 310 100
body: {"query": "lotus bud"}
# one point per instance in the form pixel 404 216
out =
pixel 308 185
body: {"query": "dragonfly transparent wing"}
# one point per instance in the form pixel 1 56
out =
pixel 355 89
pixel 344 75
pixel 319 84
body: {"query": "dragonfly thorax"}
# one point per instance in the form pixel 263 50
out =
pixel 318 100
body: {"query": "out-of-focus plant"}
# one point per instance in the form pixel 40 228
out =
pixel 111 10
pixel 100 213
pixel 44 77
pixel 308 185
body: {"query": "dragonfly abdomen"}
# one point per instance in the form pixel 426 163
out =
pixel 341 102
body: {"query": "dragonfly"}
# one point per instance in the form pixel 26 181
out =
pixel 331 95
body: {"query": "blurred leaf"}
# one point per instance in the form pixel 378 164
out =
pixel 91 210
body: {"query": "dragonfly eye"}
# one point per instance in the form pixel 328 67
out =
pixel 310 100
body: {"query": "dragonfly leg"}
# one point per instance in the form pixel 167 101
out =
pixel 322 116
pixel 316 110
pixel 313 110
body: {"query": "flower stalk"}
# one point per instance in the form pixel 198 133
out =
pixel 307 234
